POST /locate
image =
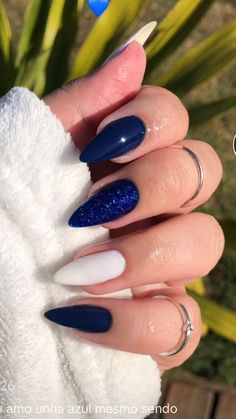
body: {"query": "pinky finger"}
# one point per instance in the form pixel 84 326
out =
pixel 145 326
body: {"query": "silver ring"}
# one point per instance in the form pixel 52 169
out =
pixel 200 171
pixel 186 321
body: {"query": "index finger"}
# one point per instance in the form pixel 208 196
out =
pixel 83 103
pixel 154 119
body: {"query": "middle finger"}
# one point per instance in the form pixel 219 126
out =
pixel 159 182
pixel 177 249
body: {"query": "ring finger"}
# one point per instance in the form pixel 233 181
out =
pixel 178 249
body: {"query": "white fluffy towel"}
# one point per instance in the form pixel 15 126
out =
pixel 45 371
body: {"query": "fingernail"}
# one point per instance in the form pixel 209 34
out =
pixel 84 317
pixel 107 204
pixel 92 269
pixel 117 138
pixel 141 36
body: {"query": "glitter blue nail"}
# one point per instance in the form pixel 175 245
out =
pixel 107 204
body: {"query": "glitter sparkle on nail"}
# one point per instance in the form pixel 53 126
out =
pixel 109 203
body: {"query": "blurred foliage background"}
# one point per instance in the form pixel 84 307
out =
pixel 44 43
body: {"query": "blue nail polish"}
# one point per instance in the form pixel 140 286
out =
pixel 109 203
pixel 117 138
pixel 84 317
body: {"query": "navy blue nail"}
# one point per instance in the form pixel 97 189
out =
pixel 84 317
pixel 107 204
pixel 117 138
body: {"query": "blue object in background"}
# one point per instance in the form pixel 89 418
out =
pixel 98 6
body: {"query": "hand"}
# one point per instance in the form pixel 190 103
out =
pixel 157 245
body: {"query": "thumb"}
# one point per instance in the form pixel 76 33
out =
pixel 83 103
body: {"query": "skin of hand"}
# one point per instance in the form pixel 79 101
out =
pixel 164 245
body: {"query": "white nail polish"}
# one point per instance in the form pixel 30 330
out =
pixel 92 269
pixel 141 36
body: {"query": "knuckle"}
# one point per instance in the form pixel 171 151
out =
pixel 213 241
pixel 116 88
pixel 177 114
pixel 73 87
pixel 170 110
pixel 214 159
pixel 216 238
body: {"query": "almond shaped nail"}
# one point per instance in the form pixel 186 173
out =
pixel 109 203
pixel 92 269
pixel 141 36
pixel 84 317
pixel 115 139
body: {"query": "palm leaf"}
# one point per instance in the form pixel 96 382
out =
pixel 6 64
pixel 221 320
pixel 31 35
pixel 174 29
pixel 53 25
pixel 30 56
pixel 46 43
pixel 210 57
pixel 53 29
pixel 5 34
pixel 107 32
pixel 202 113
pixel 64 42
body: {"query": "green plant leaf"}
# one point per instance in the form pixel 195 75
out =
pixel 200 114
pixel 38 39
pixel 105 34
pixel 33 74
pixel 229 228
pixel 53 24
pixel 64 42
pixel 5 34
pixel 221 320
pixel 174 29
pixel 30 58
pixel 46 43
pixel 31 34
pixel 210 57
pixel 197 286
pixel 6 63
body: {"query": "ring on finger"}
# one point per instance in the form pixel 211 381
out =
pixel 200 171
pixel 186 322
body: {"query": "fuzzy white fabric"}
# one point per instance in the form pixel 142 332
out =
pixel 42 182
